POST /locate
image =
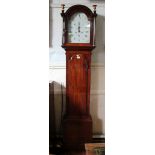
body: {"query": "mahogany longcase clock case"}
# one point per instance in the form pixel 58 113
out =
pixel 78 40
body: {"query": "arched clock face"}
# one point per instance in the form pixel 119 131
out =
pixel 79 28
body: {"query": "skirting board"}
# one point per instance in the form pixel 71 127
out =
pixel 63 66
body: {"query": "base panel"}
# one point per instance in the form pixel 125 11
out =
pixel 76 132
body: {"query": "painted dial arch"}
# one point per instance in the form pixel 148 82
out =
pixel 79 28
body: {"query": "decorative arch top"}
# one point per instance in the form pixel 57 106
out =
pixel 79 8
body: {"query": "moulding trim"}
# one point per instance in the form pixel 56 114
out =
pixel 92 92
pixel 62 66
pixel 94 136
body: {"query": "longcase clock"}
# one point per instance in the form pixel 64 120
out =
pixel 78 40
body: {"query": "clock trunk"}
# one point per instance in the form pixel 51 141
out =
pixel 77 122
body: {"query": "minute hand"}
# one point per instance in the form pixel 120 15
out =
pixel 78 27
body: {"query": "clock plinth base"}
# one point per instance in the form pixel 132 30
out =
pixel 77 131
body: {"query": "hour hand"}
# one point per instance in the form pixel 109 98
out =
pixel 78 28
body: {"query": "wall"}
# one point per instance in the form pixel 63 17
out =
pixel 57 68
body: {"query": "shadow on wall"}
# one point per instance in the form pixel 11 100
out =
pixel 57 110
pixel 97 54
pixel 98 123
pixel 51 114
pixel 58 105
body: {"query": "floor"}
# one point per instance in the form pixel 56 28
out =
pixel 78 153
pixel 69 153
pixel 60 151
pixel 74 153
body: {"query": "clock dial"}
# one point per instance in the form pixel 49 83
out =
pixel 79 29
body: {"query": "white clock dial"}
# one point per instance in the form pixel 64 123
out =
pixel 79 29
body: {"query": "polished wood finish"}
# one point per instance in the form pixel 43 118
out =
pixel 77 122
pixel 78 82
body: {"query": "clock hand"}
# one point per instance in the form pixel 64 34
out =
pixel 79 27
